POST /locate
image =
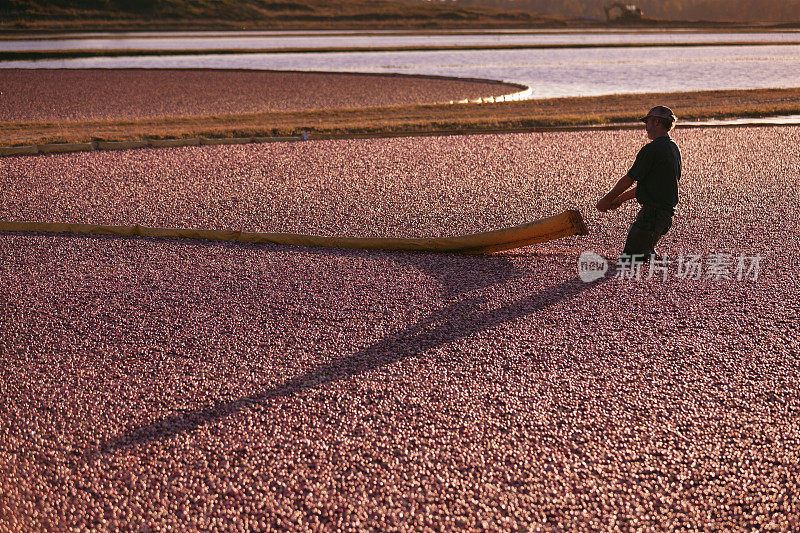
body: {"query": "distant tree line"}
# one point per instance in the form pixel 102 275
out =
pixel 710 10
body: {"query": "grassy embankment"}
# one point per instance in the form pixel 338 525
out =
pixel 420 119
pixel 132 15
pixel 118 15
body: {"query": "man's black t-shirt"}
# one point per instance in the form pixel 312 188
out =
pixel 657 170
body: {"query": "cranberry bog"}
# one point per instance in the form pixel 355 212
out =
pixel 66 96
pixel 169 384
pixel 97 105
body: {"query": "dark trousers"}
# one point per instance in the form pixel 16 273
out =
pixel 650 224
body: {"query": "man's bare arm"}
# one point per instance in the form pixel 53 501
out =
pixel 607 201
pixel 624 197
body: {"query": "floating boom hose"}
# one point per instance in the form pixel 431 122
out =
pixel 545 229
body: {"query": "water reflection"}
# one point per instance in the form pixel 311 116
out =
pixel 782 120
pixel 551 73
pixel 280 40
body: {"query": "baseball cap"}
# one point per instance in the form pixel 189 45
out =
pixel 660 111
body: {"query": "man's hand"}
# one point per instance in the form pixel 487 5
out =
pixel 619 192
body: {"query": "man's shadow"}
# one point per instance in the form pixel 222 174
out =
pixel 457 274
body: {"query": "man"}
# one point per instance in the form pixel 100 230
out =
pixel 656 172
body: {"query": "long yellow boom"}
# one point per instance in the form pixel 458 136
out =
pixel 545 229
